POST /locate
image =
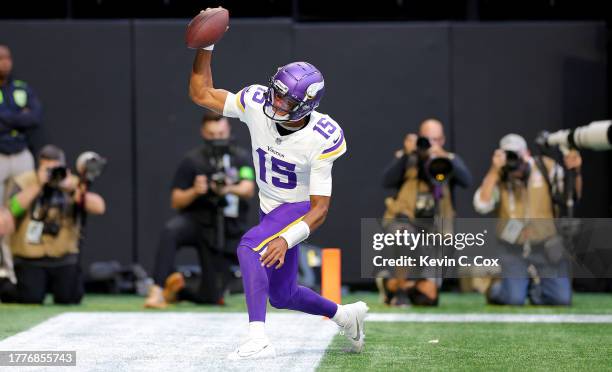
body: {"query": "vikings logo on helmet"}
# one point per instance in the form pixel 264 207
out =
pixel 294 92
pixel 313 89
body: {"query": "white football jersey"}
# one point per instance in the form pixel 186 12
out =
pixel 289 168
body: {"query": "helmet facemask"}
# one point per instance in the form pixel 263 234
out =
pixel 279 101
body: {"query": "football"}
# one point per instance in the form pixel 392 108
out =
pixel 207 28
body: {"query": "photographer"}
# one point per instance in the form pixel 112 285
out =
pixel 424 175
pixel 523 191
pixel 47 206
pixel 209 191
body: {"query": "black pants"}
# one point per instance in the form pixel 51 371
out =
pixel 35 279
pixel 182 231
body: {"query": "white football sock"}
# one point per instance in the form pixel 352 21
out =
pixel 341 317
pixel 257 330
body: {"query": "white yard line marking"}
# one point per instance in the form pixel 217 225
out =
pixel 488 318
pixel 106 341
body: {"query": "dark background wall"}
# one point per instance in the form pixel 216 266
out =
pixel 120 88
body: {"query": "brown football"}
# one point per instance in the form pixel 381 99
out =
pixel 207 28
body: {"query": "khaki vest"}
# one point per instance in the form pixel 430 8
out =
pixel 52 246
pixel 404 204
pixel 532 205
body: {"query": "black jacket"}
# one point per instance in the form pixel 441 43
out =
pixel 20 112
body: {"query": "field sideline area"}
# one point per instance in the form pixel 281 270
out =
pixel 504 341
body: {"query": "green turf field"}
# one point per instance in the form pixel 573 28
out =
pixel 402 345
pixel 477 346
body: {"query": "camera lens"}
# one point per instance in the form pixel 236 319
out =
pixel 513 161
pixel 56 175
pixel 423 143
pixel 439 169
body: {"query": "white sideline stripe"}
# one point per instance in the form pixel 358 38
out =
pixel 488 318
pixel 165 341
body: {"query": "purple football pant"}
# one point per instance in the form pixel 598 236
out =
pixel 280 285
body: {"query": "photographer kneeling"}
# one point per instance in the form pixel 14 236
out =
pixel 523 191
pixel 48 205
pixel 210 191
pixel 424 175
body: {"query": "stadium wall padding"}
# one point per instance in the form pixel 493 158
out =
pixel 120 88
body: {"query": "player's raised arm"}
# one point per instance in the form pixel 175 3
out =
pixel 202 33
pixel 201 88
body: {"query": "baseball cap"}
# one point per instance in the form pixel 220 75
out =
pixel 513 142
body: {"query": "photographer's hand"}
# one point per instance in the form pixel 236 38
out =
pixel 182 198
pixel 43 175
pixel 69 184
pixel 200 185
pixel 410 143
pixel 573 160
pixel 498 160
pixel 275 252
pixel 490 181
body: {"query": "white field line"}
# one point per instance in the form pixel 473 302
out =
pixel 146 341
pixel 488 318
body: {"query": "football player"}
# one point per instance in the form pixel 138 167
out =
pixel 294 148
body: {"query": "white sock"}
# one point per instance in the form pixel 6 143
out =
pixel 341 317
pixel 257 330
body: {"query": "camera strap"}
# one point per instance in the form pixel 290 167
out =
pixel 553 194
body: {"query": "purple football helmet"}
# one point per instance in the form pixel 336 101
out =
pixel 294 92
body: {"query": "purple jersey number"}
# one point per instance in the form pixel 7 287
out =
pixel 259 96
pixel 279 167
pixel 325 127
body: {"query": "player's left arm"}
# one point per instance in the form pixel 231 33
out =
pixel 275 252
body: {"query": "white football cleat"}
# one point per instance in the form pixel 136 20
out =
pixel 254 348
pixel 354 330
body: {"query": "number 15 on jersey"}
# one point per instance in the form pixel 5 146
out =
pixel 282 173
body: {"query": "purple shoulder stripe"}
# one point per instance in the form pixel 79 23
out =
pixel 336 145
pixel 242 96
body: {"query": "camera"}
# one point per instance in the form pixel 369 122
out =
pixel 438 169
pixel 218 155
pixel 595 136
pixel 90 165
pixel 56 175
pixel 218 178
pixel 513 162
pixel 423 144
